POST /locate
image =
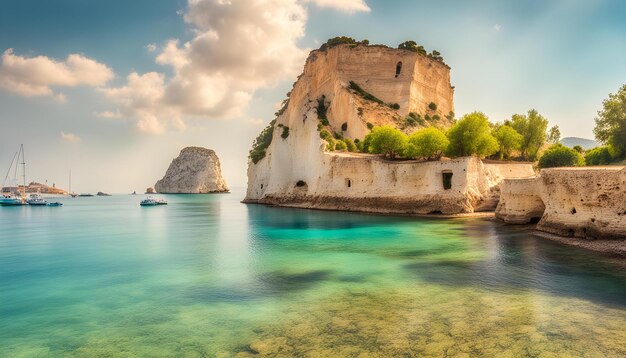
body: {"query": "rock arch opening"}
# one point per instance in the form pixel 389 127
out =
pixel 398 68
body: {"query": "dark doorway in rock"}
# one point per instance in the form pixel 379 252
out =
pixel 398 68
pixel 348 183
pixel 535 220
pixel 447 179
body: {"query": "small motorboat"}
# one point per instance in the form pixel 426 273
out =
pixel 56 203
pixel 36 199
pixel 150 201
pixel 9 200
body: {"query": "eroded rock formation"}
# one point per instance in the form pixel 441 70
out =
pixel 195 171
pixel 575 202
pixel 296 170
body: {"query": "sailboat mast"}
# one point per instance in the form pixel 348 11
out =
pixel 70 190
pixel 23 168
pixel 6 177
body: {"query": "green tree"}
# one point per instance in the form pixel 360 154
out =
pixel 598 156
pixel 610 126
pixel 508 139
pixel 350 146
pixel 533 128
pixel 559 155
pixel 579 149
pixel 471 135
pixel 340 145
pixel 429 143
pixel 554 135
pixel 387 140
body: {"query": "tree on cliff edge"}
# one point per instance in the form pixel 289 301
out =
pixel 610 126
pixel 471 135
pixel 387 140
pixel 533 128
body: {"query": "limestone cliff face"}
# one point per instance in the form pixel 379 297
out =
pixel 575 202
pixel 195 171
pixel 298 171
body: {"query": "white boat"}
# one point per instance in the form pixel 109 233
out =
pixel 150 201
pixel 11 195
pixel 36 199
pixel 10 200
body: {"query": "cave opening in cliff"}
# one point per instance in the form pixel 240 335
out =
pixel 398 68
pixel 348 183
pixel 447 179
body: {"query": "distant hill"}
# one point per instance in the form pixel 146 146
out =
pixel 573 141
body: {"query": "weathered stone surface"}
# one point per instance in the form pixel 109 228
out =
pixel 575 202
pixel 360 182
pixel 195 171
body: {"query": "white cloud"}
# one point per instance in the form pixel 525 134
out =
pixel 109 114
pixel 497 27
pixel 36 76
pixel 256 121
pixel 238 47
pixel 151 47
pixel 70 137
pixel 349 6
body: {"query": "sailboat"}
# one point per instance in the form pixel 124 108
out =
pixel 13 196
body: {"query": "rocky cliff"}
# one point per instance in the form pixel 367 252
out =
pixel 195 171
pixel 345 90
pixel 574 202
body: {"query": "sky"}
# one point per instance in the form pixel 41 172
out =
pixel 113 90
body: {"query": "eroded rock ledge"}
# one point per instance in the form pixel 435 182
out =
pixel 570 202
pixel 196 170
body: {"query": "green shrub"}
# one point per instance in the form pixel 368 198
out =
pixel 322 109
pixel 450 116
pixel 340 145
pixel 325 135
pixel 427 117
pixel 360 111
pixel 350 145
pixel 356 140
pixel 413 119
pixel 285 132
pixel 370 126
pixel 330 146
pixel 436 117
pixel 508 139
pixel 262 141
pixel 432 106
pixel 395 106
pixel 337 135
pixel 388 141
pixel 341 40
pixel 429 143
pixel 412 46
pixel 610 127
pixel 559 155
pixel 366 95
pixel 320 126
pixel 578 148
pixel 471 135
pixel 599 156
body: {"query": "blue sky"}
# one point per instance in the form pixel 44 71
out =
pixel 560 57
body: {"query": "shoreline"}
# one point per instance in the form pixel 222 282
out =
pixel 615 248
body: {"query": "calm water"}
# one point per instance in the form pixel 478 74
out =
pixel 208 276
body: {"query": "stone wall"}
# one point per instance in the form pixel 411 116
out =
pixel 575 202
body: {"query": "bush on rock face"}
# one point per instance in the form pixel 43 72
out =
pixel 559 155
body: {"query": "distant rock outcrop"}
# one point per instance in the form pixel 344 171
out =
pixel 195 171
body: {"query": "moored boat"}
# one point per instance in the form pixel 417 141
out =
pixel 56 203
pixel 9 200
pixel 150 201
pixel 36 200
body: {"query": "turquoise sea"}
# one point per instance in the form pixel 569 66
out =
pixel 207 276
